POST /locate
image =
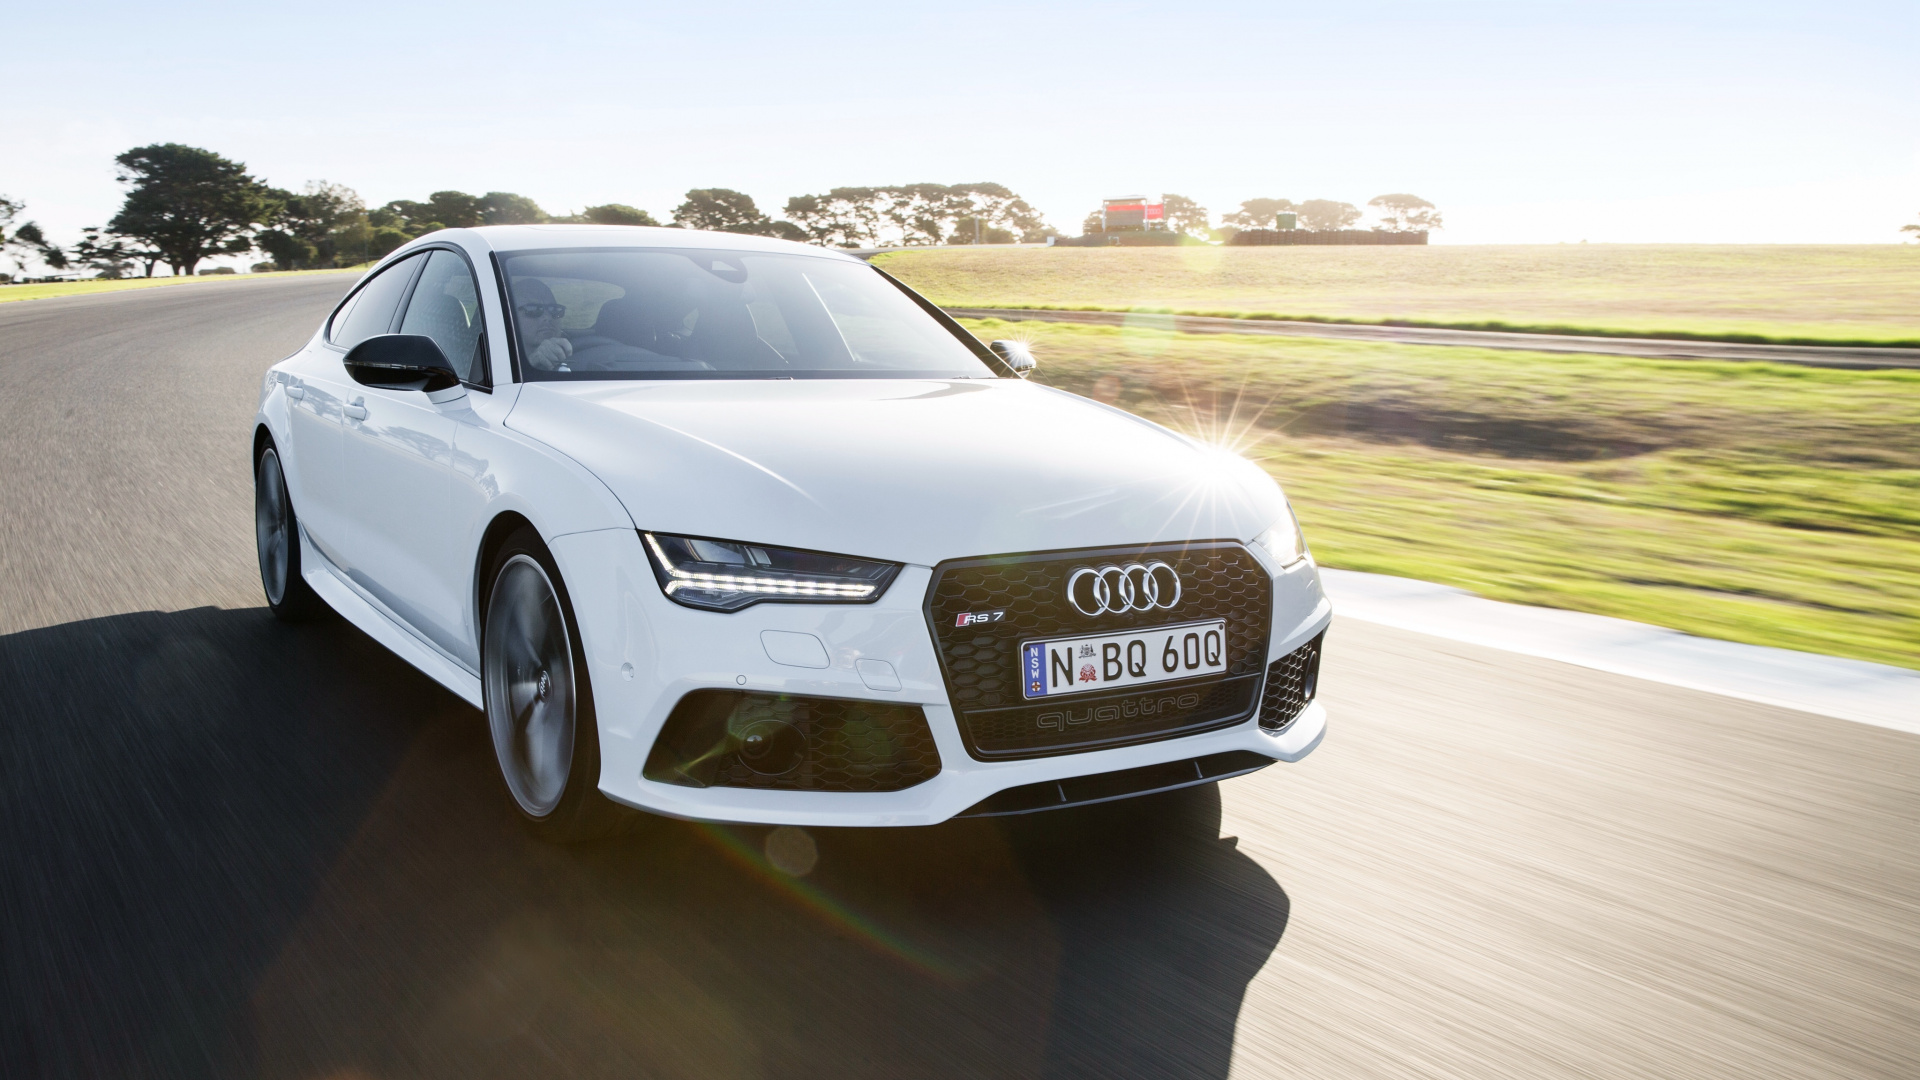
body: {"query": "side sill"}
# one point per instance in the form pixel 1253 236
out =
pixel 376 625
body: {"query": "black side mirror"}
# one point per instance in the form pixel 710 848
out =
pixel 401 362
pixel 1016 354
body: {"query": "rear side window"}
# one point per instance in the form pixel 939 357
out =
pixel 446 308
pixel 371 310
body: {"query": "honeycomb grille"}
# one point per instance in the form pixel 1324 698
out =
pixel 1219 580
pixel 1291 682
pixel 728 738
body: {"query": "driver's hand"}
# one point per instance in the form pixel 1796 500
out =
pixel 551 353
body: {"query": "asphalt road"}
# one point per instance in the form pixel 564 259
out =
pixel 231 847
pixel 1858 357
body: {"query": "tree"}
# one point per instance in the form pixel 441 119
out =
pixel 921 213
pixel 1325 215
pixel 1405 213
pixel 975 230
pixel 325 225
pixel 721 210
pixel 911 214
pixel 1002 207
pixel 109 256
pixel 845 217
pixel 26 241
pixel 187 203
pixel 506 208
pixel 615 214
pixel 384 241
pixel 1914 228
pixel 1258 213
pixel 1186 216
pixel 932 210
pixel 389 230
pixel 1095 222
pixel 442 210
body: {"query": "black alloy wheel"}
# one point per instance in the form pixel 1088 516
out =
pixel 276 534
pixel 539 700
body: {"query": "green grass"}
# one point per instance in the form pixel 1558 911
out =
pixel 82 288
pixel 1866 294
pixel 1753 502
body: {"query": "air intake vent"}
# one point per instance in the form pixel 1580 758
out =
pixel 731 738
pixel 1291 683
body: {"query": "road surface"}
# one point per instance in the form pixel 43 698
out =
pixel 235 848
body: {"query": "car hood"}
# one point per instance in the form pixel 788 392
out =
pixel 912 471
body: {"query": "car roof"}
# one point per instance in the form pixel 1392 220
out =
pixel 506 238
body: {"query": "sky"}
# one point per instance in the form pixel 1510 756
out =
pixel 1526 122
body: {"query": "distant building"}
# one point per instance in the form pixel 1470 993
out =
pixel 1132 214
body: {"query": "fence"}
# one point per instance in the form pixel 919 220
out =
pixel 1263 237
pixel 1144 238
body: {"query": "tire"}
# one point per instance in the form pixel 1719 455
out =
pixel 276 534
pixel 539 700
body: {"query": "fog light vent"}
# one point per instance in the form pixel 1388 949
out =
pixel 732 738
pixel 1292 681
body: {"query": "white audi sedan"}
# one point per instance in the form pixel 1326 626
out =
pixel 735 529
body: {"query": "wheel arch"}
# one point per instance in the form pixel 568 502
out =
pixel 262 438
pixel 503 525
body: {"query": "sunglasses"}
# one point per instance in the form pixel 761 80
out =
pixel 535 311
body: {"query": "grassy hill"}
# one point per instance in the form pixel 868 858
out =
pixel 1752 502
pixel 1803 292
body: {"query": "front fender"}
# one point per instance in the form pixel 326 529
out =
pixel 496 472
pixel 272 414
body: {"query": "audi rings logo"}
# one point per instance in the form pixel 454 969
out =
pixel 1116 590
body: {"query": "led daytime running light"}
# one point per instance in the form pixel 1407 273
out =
pixel 764 585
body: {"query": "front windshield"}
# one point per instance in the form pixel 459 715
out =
pixel 670 313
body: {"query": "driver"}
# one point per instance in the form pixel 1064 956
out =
pixel 549 349
pixel 546 348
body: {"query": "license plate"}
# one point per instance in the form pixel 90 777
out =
pixel 1080 665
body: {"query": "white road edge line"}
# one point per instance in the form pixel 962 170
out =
pixel 1867 693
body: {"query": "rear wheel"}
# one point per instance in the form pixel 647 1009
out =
pixel 538 698
pixel 276 533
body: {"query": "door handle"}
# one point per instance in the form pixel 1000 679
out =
pixel 356 411
pixel 296 391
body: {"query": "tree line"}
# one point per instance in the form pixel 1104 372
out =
pixel 1393 213
pixel 185 205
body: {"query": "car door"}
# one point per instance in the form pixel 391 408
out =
pixel 399 453
pixel 320 391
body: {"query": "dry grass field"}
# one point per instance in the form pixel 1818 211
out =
pixel 1768 504
pixel 48 289
pixel 1793 293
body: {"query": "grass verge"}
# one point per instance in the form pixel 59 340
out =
pixel 44 290
pixel 1752 502
pixel 1822 295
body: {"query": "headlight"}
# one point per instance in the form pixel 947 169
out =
pixel 726 575
pixel 1284 540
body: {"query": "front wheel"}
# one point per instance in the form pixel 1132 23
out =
pixel 538 698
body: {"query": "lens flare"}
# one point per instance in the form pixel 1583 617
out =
pixel 1228 421
pixel 754 858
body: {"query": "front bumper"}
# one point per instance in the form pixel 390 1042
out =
pixel 644 653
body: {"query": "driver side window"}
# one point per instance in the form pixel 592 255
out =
pixel 370 310
pixel 446 307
